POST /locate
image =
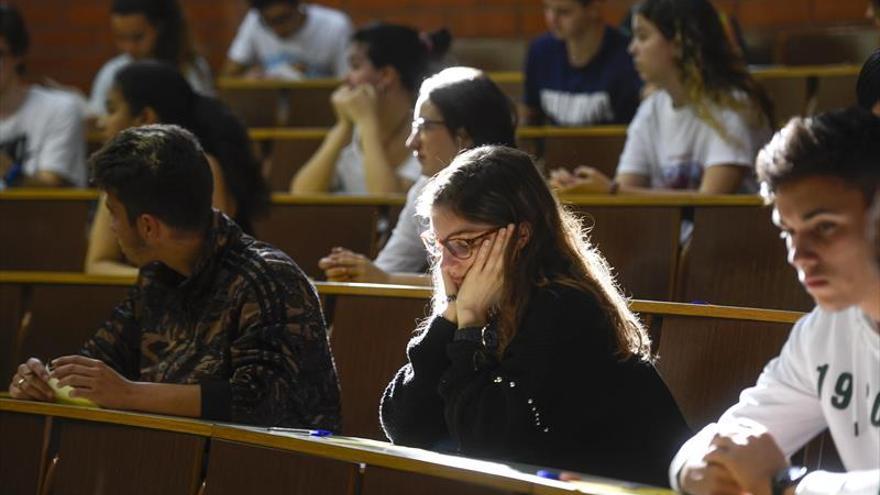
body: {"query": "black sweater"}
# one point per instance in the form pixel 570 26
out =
pixel 558 397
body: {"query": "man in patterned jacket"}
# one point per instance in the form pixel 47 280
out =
pixel 219 325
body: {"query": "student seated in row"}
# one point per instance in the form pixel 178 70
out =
pixel 580 72
pixel 821 175
pixel 289 39
pixel 457 109
pixel 42 137
pixel 868 85
pixel 702 127
pixel 531 353
pixel 151 92
pixel 150 29
pixel 365 151
pixel 219 325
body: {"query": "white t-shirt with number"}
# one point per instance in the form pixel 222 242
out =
pixel 827 376
pixel 46 133
pixel 317 49
pixel 674 147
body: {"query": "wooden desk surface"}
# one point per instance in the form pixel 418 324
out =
pixel 407 291
pixel 525 132
pixel 516 77
pixel 356 450
pixel 661 200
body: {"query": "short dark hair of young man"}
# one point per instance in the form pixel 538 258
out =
pixel 282 16
pixel 219 325
pixel 822 175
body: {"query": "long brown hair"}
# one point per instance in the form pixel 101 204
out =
pixel 711 67
pixel 497 185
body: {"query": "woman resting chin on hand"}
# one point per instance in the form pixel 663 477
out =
pixel 531 354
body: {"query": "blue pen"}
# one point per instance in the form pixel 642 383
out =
pixel 302 431
pixel 550 475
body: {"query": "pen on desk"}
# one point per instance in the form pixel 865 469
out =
pixel 302 431
pixel 546 473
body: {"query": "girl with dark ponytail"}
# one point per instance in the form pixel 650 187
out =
pixel 152 92
pixel 365 151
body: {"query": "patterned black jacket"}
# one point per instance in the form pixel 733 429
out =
pixel 246 325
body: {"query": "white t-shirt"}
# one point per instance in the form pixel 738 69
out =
pixel 317 49
pixel 673 146
pixel 404 251
pixel 199 78
pixel 47 134
pixel 350 175
pixel 827 375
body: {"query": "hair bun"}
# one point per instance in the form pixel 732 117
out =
pixel 437 42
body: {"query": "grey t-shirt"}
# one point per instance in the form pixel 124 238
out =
pixel 404 251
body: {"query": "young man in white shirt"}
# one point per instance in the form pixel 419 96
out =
pixel 42 141
pixel 822 176
pixel 287 39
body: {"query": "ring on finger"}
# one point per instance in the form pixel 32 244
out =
pixel 20 381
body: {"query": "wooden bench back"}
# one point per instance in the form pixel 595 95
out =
pixel 736 258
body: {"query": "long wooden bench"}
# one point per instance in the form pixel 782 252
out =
pixel 708 354
pixel 735 256
pixel 48 229
pixel 284 150
pixel 288 149
pixel 50 448
pixel 44 229
pixel 269 103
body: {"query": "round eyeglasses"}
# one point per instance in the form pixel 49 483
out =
pixel 459 247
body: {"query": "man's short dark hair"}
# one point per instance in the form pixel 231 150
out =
pixel 13 30
pixel 842 143
pixel 262 4
pixel 159 170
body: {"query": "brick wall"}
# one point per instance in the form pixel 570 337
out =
pixel 71 38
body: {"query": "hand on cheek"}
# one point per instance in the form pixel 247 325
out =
pixel 481 287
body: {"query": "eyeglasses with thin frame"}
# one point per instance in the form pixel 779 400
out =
pixel 458 247
pixel 421 124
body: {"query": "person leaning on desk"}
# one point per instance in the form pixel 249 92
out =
pixel 219 325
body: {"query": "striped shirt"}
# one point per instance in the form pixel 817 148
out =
pixel 246 325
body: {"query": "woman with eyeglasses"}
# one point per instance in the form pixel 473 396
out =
pixel 531 354
pixel 365 151
pixel 150 29
pixel 457 108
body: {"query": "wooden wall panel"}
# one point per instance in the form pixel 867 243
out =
pixel 235 468
pixel 22 455
pixel 105 458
